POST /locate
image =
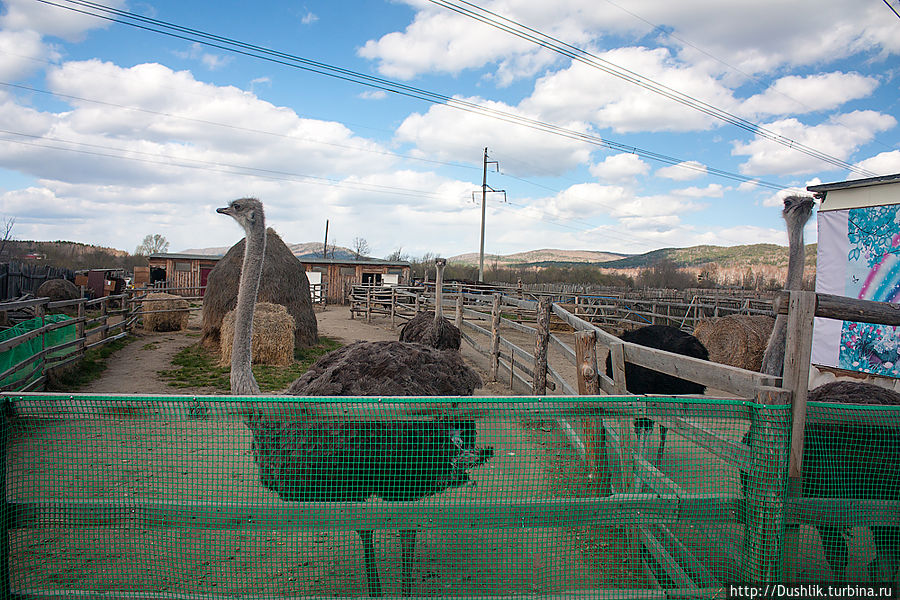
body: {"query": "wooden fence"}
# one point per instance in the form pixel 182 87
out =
pixel 18 279
pixel 483 319
pixel 400 303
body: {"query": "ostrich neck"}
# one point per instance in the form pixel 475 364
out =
pixel 438 295
pixel 242 380
pixel 796 257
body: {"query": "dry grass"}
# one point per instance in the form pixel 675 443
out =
pixel 165 312
pixel 273 335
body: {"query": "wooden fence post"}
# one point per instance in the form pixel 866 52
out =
pixel 368 305
pixel 393 307
pixel 459 309
pixel 617 358
pixel 5 590
pixel 594 432
pixel 541 344
pixel 495 337
pixel 79 327
pixel 765 487
pixel 797 354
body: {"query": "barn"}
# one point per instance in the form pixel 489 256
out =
pixel 182 271
pixel 339 275
pixel 335 275
pixel 859 257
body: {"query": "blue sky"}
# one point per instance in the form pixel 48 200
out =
pixel 110 133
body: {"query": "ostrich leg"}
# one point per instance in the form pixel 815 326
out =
pixel 407 552
pixel 371 569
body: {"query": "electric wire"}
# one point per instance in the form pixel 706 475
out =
pixel 250 50
pixel 548 42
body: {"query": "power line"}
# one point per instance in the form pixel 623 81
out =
pixel 549 42
pixel 250 50
pixel 893 10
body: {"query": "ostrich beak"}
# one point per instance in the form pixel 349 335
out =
pixel 224 211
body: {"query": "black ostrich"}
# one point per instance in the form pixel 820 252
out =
pixel 318 459
pixel 641 380
pixel 432 328
pixel 859 460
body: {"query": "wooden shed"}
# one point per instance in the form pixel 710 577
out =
pixel 339 275
pixel 182 271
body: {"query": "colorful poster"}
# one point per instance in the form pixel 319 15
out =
pixel 864 264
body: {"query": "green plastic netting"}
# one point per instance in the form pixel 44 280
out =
pixel 564 497
pixel 33 347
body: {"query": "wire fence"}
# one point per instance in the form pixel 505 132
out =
pixel 219 497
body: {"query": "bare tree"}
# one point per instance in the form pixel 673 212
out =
pixel 152 244
pixel 360 247
pixel 7 234
pixel 397 255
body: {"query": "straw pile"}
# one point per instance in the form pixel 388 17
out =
pixel 165 312
pixel 736 340
pixel 58 289
pixel 273 335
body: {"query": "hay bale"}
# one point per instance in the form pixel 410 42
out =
pixel 283 282
pixel 736 340
pixel 58 289
pixel 273 335
pixel 175 317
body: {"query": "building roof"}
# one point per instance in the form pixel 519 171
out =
pixel 350 261
pixel 186 256
pixel 855 183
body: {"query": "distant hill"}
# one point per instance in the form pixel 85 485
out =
pixel 302 250
pixel 544 256
pixel 68 255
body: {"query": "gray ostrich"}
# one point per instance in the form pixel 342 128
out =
pixel 349 461
pixel 859 460
pixel 432 328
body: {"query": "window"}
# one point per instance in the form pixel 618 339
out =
pixel 348 271
pixel 182 266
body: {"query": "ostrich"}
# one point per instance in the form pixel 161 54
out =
pixel 641 380
pixel 433 329
pixel 840 461
pixel 349 461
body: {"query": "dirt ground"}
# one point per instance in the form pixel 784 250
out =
pixel 161 458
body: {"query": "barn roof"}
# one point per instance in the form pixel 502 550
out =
pixel 854 183
pixel 362 261
pixel 177 256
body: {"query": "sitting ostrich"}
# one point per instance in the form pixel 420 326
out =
pixel 859 460
pixel 432 328
pixel 349 461
pixel 641 380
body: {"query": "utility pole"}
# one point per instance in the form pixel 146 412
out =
pixel 485 188
pixel 325 245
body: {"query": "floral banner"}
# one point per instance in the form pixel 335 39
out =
pixel 859 257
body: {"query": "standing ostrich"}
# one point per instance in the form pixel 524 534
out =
pixel 349 461
pixel 840 461
pixel 641 380
pixel 433 329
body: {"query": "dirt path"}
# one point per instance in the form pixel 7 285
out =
pixel 135 368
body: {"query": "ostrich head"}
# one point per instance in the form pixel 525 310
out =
pixel 248 212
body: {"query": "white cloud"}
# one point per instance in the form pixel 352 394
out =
pixel 885 163
pixel 450 134
pixel 48 20
pixel 584 93
pixel 840 137
pixel 741 34
pixel 685 171
pixel 713 190
pixel 619 167
pixel 213 62
pixel 806 94
pixel 373 95
pixel 309 18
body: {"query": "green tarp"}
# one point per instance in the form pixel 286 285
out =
pixel 32 348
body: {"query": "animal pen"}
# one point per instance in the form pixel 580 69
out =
pixel 159 497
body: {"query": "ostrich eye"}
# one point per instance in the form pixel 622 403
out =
pixel 236 206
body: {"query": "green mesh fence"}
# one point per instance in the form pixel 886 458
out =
pixel 32 348
pixel 474 497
